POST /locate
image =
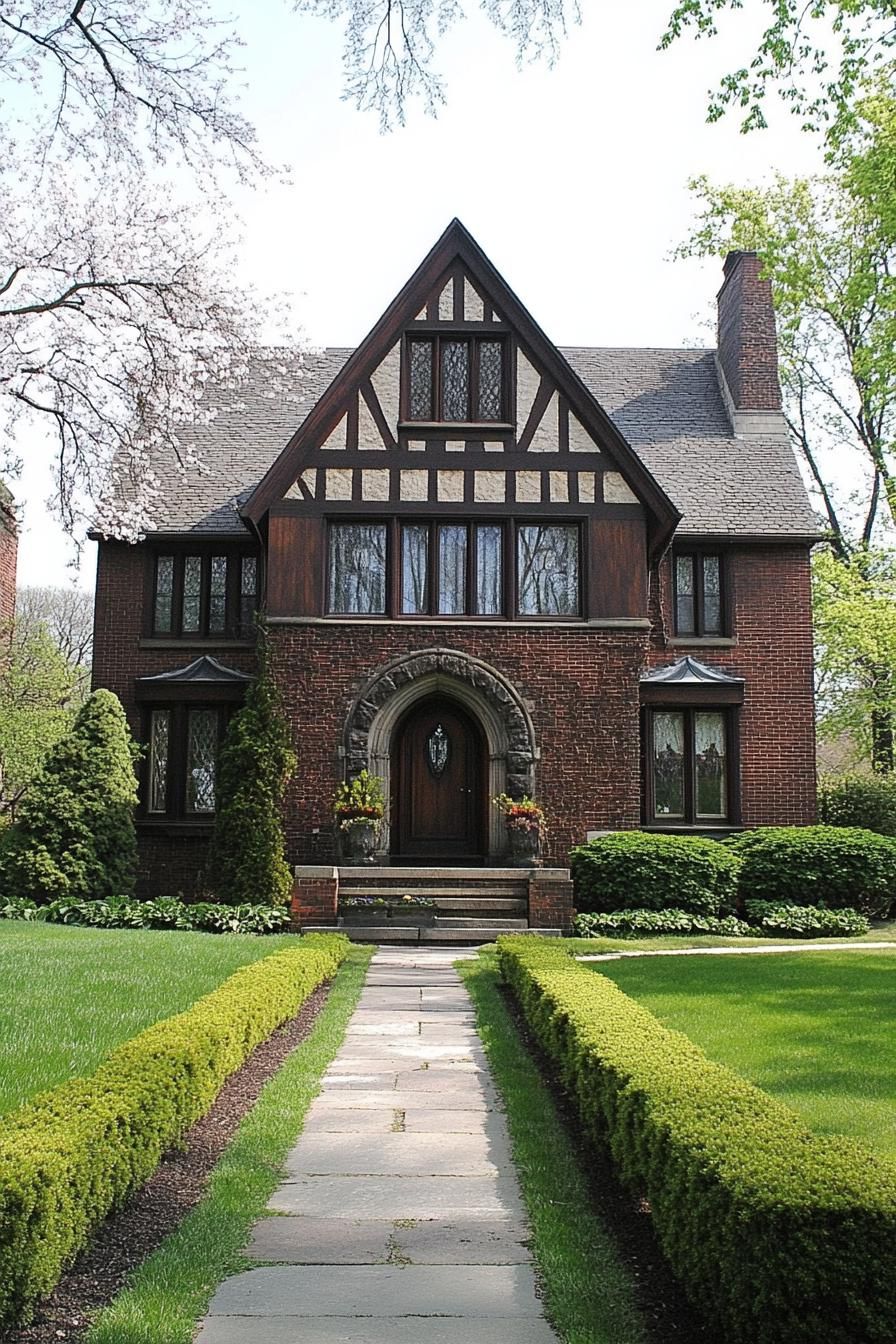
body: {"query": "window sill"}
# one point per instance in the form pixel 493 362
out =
pixel 468 429
pixel 179 826
pixel 194 642
pixel 693 828
pixel 704 642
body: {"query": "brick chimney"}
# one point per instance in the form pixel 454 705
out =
pixel 9 546
pixel 748 345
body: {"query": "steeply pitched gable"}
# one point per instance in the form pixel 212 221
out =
pixel 556 446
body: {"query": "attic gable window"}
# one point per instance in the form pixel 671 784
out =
pixel 456 379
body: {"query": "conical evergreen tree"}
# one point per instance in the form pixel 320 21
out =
pixel 74 834
pixel 246 862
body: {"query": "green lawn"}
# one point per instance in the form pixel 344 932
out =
pixel 68 996
pixel 814 1028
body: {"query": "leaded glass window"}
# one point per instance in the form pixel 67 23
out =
pixel 420 362
pixel 491 380
pixel 699 596
pixel 455 380
pixel 159 749
pixel 217 598
pixel 688 754
pixel 452 570
pixel 548 570
pixel 192 600
pixel 709 764
pixel 415 570
pixel 202 750
pixel 164 595
pixel 248 593
pixel 668 765
pixel 489 570
pixel 358 569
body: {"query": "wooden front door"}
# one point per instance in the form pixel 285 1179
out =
pixel 439 799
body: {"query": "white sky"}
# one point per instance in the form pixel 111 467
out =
pixel 573 180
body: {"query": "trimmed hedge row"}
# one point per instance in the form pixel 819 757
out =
pixel 73 1154
pixel 785 1237
pixel 634 870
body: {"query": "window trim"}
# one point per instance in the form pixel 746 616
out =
pixel 698 554
pixel 474 335
pixel 690 821
pixel 180 549
pixel 509 525
pixel 176 810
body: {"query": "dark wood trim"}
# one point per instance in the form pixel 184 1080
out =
pixel 536 414
pixel 380 511
pixel 457 243
pixel 690 823
pixel 675 697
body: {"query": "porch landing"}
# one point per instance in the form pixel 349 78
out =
pixel 468 905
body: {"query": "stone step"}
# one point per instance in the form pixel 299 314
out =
pixel 438 893
pixel 499 925
pixel 448 876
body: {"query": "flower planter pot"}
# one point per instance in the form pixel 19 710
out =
pixel 525 847
pixel 386 914
pixel 357 843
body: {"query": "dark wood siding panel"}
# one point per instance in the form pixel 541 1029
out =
pixel 617 568
pixel 295 565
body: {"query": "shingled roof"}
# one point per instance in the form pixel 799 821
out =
pixel 667 404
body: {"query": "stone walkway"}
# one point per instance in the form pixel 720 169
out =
pixel 400 1217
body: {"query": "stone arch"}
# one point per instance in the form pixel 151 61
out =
pixel 477 687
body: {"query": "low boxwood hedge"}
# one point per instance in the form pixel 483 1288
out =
pixel 72 1155
pixel 834 866
pixel 634 870
pixel 780 1235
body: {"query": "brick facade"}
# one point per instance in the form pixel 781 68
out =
pixel 9 546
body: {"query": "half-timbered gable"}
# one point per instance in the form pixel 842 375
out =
pixel 487 564
pixel 457 407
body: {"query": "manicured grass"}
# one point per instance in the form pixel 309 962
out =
pixel 70 995
pixel 589 1296
pixel 883 931
pixel 813 1028
pixel 173 1288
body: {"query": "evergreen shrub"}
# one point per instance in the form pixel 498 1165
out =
pixel 867 801
pixel 779 1235
pixel 74 834
pixel 247 864
pixel 835 866
pixel 633 870
pixel 75 1153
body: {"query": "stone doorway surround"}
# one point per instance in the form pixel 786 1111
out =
pixel 477 687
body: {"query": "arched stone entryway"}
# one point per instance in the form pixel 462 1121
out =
pixel 476 687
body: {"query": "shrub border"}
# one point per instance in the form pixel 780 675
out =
pixel 785 1236
pixel 73 1154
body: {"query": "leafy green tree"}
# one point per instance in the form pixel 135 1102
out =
pixel 247 863
pixel 39 693
pixel 74 834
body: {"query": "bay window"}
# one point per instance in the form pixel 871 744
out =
pixel 688 764
pixel 181 760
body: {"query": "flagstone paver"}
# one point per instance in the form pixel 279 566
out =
pixel 399 1218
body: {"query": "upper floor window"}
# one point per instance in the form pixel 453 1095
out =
pixel 457 378
pixel 699 597
pixel 205 594
pixel 454 568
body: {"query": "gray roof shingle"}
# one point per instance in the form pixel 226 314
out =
pixel 667 403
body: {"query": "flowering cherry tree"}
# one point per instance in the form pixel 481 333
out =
pixel 117 307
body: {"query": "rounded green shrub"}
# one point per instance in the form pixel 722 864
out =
pixel 633 870
pixel 868 801
pixel 835 866
pixel 74 835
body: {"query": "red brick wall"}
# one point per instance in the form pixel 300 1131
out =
pixel 581 688
pixel 580 685
pixel 770 600
pixel 747 341
pixel 9 545
pixel 170 859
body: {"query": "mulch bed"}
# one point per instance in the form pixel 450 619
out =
pixel 128 1237
pixel 669 1316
